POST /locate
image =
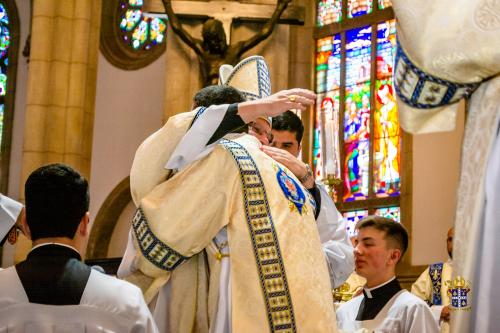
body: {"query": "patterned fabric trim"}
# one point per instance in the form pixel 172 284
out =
pixel 154 250
pixel 435 272
pixel 264 241
pixel 263 78
pixel 198 114
pixel 424 91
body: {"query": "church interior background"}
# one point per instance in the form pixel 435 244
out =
pixel 85 82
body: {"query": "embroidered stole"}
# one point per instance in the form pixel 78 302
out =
pixel 435 273
pixel 265 243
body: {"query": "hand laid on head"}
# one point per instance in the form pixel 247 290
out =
pixel 296 166
pixel 445 314
pixel 276 104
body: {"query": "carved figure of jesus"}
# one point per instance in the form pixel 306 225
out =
pixel 213 51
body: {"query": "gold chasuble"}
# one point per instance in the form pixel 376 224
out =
pixel 279 278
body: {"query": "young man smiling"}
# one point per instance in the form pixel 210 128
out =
pixel 384 306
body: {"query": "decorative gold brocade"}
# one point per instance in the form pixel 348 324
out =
pixel 264 242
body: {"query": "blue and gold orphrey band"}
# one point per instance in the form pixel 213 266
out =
pixel 421 90
pixel 153 249
pixel 264 241
pixel 435 272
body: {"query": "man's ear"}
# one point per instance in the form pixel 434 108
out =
pixel 83 227
pixel 24 224
pixel 395 256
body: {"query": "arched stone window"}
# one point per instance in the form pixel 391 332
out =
pixel 9 45
pixel 129 39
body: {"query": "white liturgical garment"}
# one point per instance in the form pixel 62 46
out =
pixel 403 313
pixel 107 305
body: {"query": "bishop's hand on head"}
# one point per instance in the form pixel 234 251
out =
pixel 276 104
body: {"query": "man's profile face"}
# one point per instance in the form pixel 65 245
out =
pixel 261 130
pixel 449 242
pixel 286 140
pixel 372 253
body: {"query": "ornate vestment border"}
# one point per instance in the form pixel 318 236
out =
pixel 421 90
pixel 435 272
pixel 153 249
pixel 264 242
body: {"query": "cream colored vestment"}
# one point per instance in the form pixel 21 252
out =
pixel 181 217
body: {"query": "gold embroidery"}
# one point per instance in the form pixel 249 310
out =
pixel 265 242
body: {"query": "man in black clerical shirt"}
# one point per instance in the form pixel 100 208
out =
pixel 384 305
pixel 57 221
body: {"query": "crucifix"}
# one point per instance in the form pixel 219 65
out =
pixel 214 50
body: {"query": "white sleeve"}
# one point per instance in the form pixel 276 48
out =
pixel 127 265
pixel 193 145
pixel 436 312
pixel 336 245
pixel 9 211
pixel 420 319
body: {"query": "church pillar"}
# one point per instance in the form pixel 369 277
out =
pixel 61 84
pixel 301 68
pixel 61 88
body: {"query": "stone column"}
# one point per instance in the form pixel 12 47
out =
pixel 61 87
pixel 301 68
pixel 61 84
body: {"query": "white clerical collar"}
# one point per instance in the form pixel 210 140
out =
pixel 54 243
pixel 368 290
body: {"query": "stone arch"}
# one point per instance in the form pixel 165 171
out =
pixel 106 219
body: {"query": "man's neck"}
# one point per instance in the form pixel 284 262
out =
pixel 56 240
pixel 379 280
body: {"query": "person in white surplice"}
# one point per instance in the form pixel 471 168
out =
pixel 384 306
pixel 52 290
pixel 10 213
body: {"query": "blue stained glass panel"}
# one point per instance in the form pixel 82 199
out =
pixel 4 17
pixel 357 8
pixel 358 55
pixel 352 219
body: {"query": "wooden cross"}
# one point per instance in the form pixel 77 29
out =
pixel 226 12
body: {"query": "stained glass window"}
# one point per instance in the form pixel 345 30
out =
pixel 354 68
pixel 4 61
pixel 384 4
pixel 329 11
pixel 351 218
pixel 387 140
pixel 359 8
pixel 140 31
pixel 392 213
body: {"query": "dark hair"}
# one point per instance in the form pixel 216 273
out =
pixel 217 95
pixel 395 233
pixel 289 121
pixel 57 197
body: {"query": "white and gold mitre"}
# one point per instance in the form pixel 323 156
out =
pixel 440 61
pixel 250 76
